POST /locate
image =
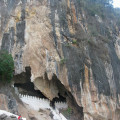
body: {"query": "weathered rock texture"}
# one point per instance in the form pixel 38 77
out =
pixel 10 102
pixel 42 35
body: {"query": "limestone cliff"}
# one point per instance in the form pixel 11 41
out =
pixel 51 43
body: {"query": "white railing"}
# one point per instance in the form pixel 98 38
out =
pixel 41 103
pixel 61 105
pixel 35 103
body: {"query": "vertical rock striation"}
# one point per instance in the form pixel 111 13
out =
pixel 52 38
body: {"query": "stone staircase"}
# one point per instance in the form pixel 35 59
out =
pixel 37 103
pixel 41 103
pixel 34 102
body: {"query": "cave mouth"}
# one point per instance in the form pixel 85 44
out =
pixel 59 98
pixel 66 96
pixel 25 87
pixel 23 77
pixel 28 89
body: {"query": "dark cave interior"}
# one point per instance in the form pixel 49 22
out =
pixel 26 87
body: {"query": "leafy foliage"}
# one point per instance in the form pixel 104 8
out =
pixel 67 44
pixel 98 7
pixel 68 112
pixel 74 42
pixel 6 66
pixel 62 61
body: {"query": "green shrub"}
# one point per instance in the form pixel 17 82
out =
pixel 62 61
pixel 67 45
pixel 93 30
pixel 68 112
pixel 74 42
pixel 6 66
pixel 91 11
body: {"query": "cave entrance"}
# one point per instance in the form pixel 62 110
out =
pixel 28 89
pixel 23 77
pixel 74 111
pixel 24 86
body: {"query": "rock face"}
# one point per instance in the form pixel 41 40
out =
pixel 50 37
pixel 7 101
pixel 11 107
pixel 5 117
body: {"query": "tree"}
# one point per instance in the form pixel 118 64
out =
pixel 6 66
